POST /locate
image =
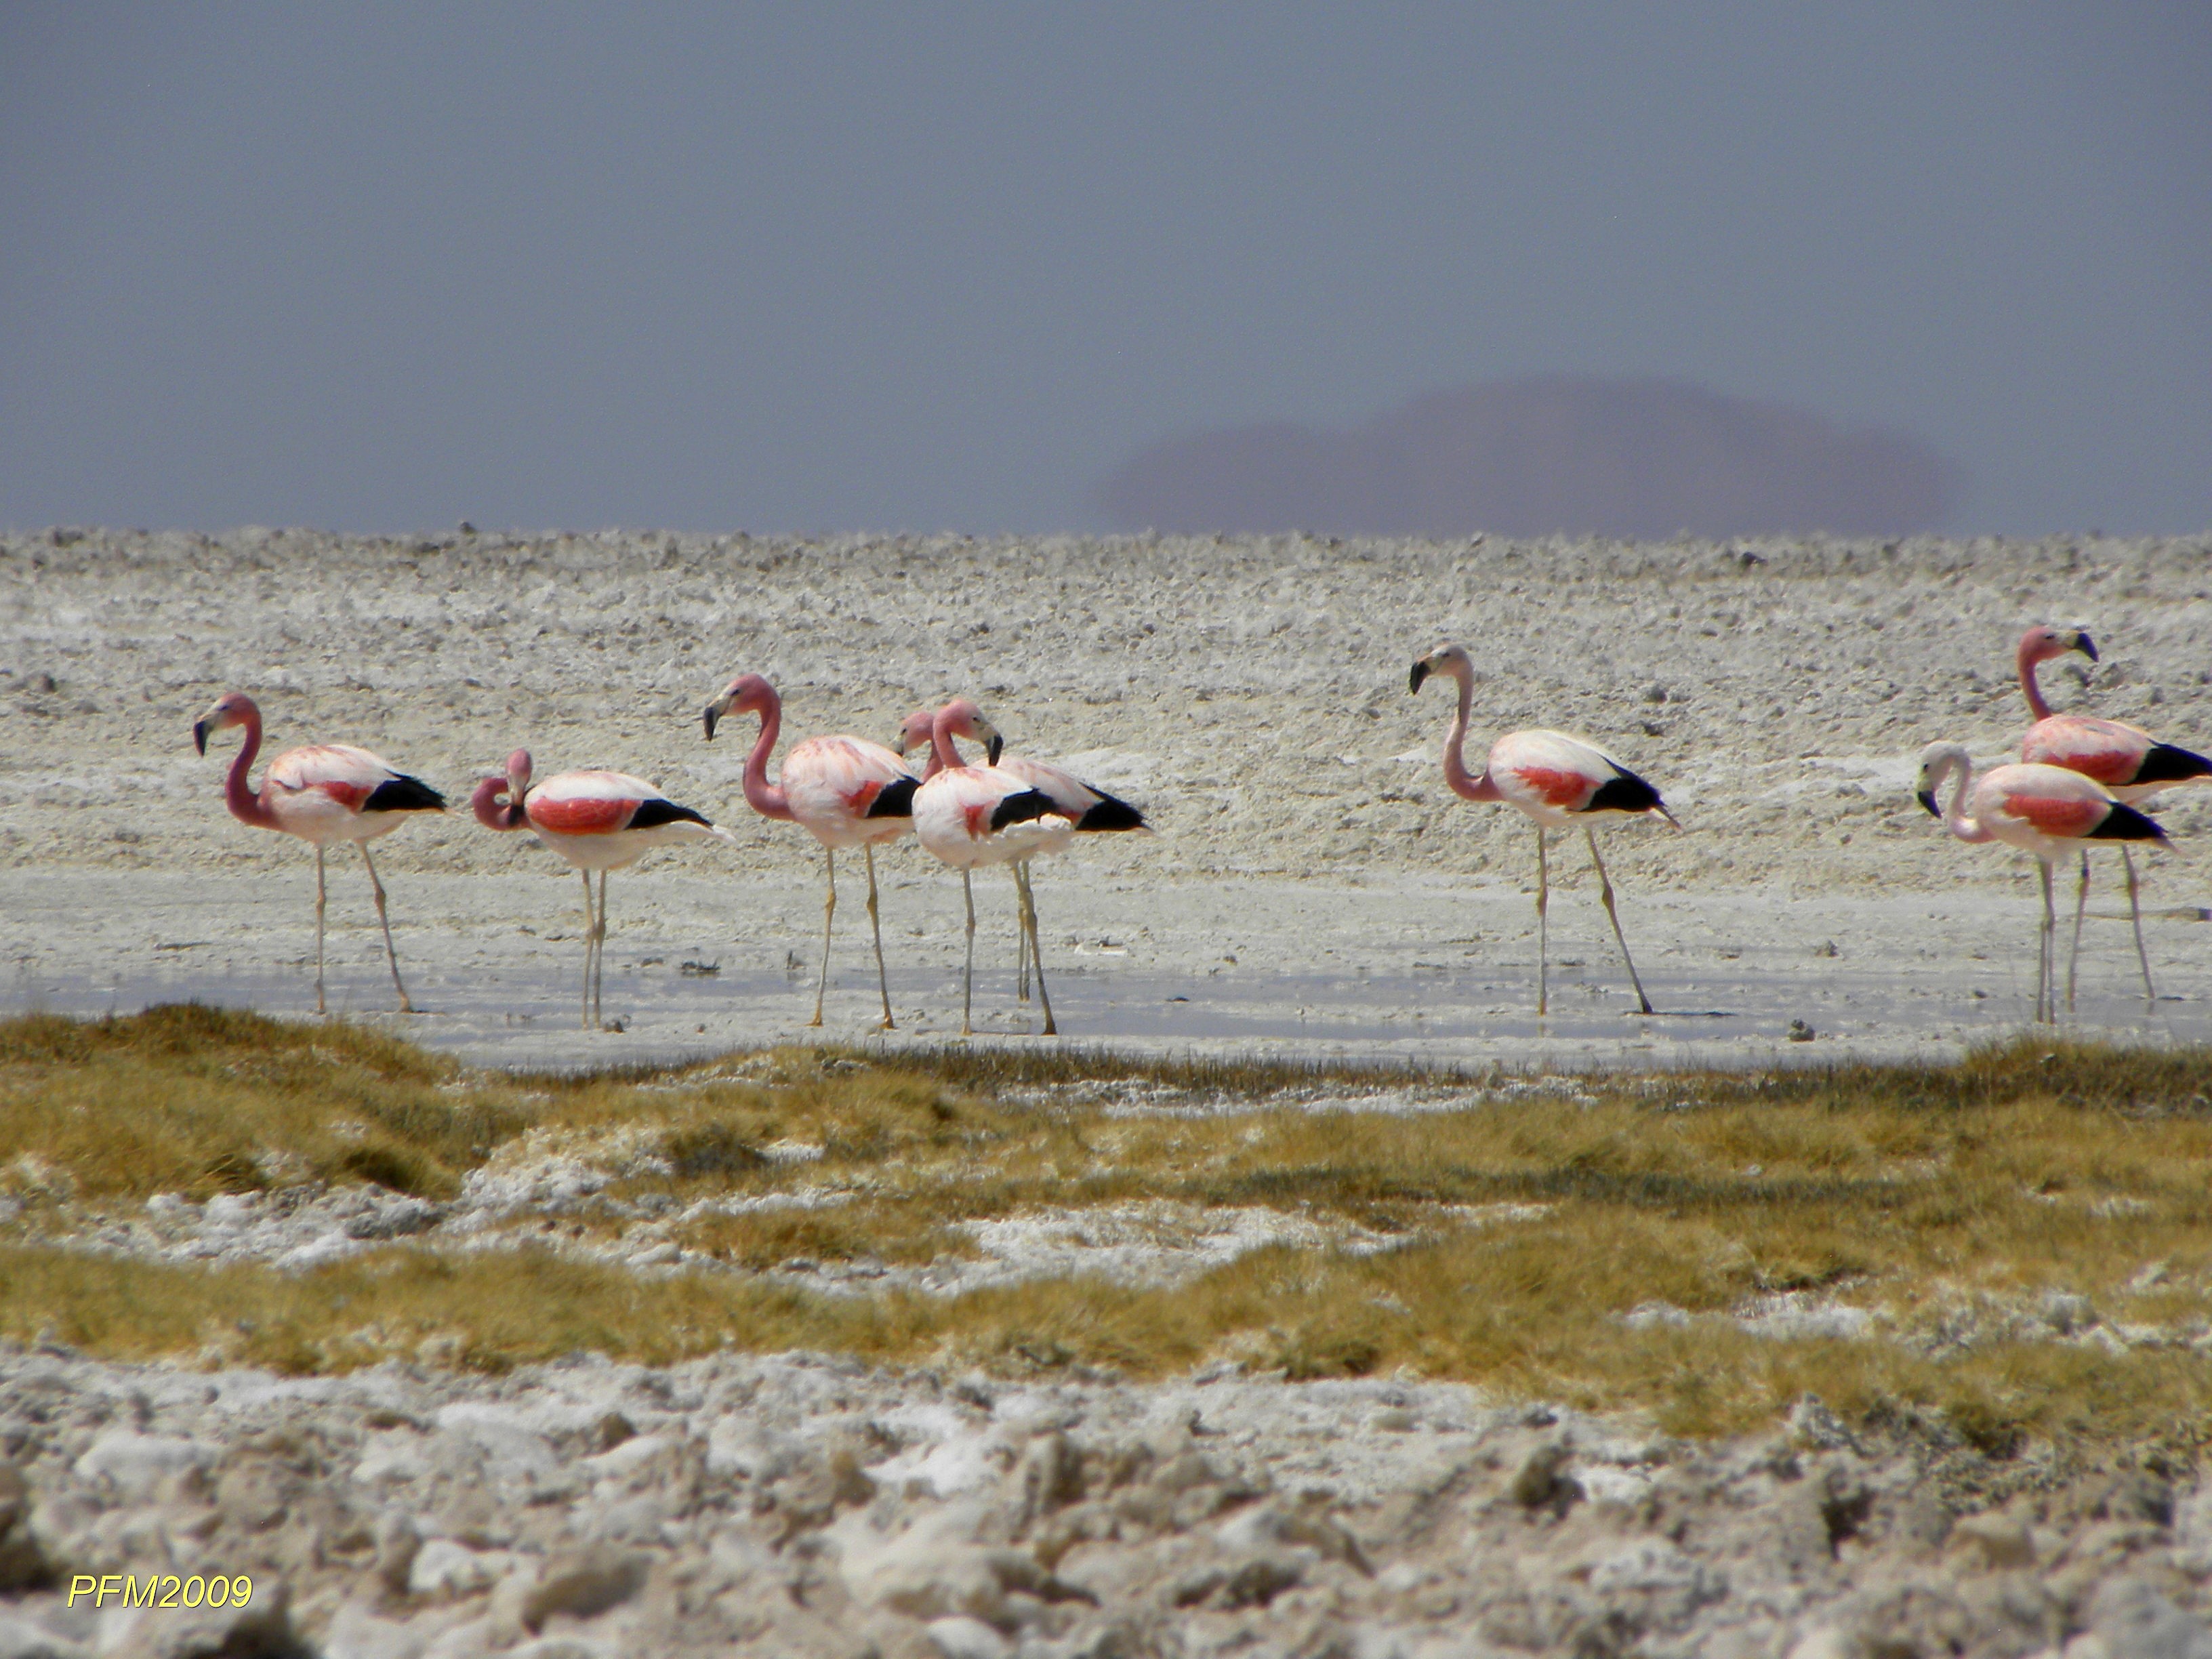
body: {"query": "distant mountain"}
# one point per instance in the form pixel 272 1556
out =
pixel 1639 458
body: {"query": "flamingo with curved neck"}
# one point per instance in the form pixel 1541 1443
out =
pixel 2046 812
pixel 594 820
pixel 845 792
pixel 325 794
pixel 1556 781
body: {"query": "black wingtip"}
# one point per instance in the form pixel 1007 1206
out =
pixel 2167 763
pixel 1023 808
pixel 1625 793
pixel 403 795
pixel 1110 814
pixel 652 814
pixel 2124 822
pixel 895 799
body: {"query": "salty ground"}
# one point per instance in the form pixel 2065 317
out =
pixel 1312 888
pixel 916 1472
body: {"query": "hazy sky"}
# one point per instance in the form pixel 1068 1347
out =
pixel 946 266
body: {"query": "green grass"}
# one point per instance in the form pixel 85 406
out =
pixel 1915 1190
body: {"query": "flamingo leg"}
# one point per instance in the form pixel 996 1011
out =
pixel 391 955
pixel 1543 938
pixel 584 1012
pixel 1037 952
pixel 1605 896
pixel 321 900
pixel 875 927
pixel 829 909
pixel 2046 950
pixel 2081 906
pixel 599 958
pixel 1022 938
pixel 2134 915
pixel 967 979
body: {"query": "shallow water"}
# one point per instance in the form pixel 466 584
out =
pixel 1731 975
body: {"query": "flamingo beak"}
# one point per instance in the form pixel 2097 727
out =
pixel 713 714
pixel 199 736
pixel 1420 672
pixel 2086 645
pixel 993 746
pixel 1927 798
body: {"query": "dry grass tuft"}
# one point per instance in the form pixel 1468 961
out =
pixel 1949 1203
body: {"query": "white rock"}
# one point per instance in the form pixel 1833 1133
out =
pixel 136 1463
pixel 446 1567
pixel 965 1638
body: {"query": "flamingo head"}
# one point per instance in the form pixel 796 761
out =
pixel 2041 644
pixel 497 801
pixel 962 719
pixel 1451 660
pixel 747 694
pixel 914 732
pixel 1937 762
pixel 232 708
pixel 518 769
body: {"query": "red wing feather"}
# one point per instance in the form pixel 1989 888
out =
pixel 2053 816
pixel 1560 789
pixel 584 815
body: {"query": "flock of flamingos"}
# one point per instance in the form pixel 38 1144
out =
pixel 2073 784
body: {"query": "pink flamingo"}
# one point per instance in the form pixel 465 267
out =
pixel 2046 810
pixel 2127 760
pixel 602 821
pixel 845 792
pixel 1557 781
pixel 324 793
pixel 1093 809
pixel 967 816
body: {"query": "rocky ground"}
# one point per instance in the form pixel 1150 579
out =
pixel 799 1506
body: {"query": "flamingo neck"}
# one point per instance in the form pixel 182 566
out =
pixel 1954 817
pixel 246 805
pixel 1464 783
pixel 2035 705
pixel 942 753
pixel 763 797
pixel 492 812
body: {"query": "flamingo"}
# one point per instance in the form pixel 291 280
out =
pixel 602 821
pixel 966 815
pixel 1555 780
pixel 845 792
pixel 2043 810
pixel 323 793
pixel 1093 809
pixel 2127 760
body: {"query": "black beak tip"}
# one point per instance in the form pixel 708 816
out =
pixel 199 736
pixel 993 747
pixel 2089 647
pixel 1413 680
pixel 707 719
pixel 1927 800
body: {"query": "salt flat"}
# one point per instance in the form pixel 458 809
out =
pixel 1312 887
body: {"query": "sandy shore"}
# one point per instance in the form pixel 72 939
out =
pixel 1312 883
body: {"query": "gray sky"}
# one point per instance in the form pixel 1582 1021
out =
pixel 384 268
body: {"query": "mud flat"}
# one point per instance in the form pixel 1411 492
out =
pixel 1312 886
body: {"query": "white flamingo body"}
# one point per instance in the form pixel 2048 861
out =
pixel 954 812
pixel 1551 776
pixel 831 782
pixel 321 793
